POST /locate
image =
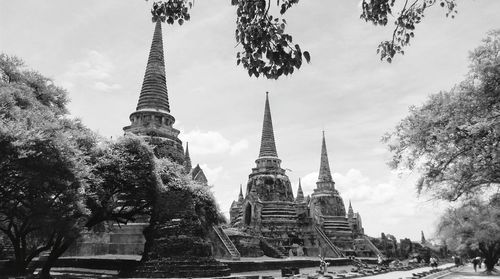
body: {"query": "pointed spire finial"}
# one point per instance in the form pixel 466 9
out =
pixel 324 169
pixel 187 160
pixel 240 196
pixel 350 212
pixel 300 194
pixel 154 94
pixel 267 143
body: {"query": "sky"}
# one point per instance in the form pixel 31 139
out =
pixel 98 51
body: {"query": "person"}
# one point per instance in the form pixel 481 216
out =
pixel 475 262
pixel 458 261
pixel 433 262
pixel 379 260
pixel 323 265
pixel 479 262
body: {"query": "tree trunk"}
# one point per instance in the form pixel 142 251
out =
pixel 45 272
pixel 19 253
pixel 54 255
pixel 489 263
pixel 491 256
pixel 20 266
pixel 149 236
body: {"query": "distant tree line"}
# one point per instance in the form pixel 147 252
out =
pixel 407 249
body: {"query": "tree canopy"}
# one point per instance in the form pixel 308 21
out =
pixel 42 162
pixel 266 49
pixel 473 229
pixel 453 139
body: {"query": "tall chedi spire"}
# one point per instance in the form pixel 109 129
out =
pixel 154 94
pixel 267 144
pixel 268 156
pixel 152 118
pixel 325 180
pixel 325 197
pixel 268 167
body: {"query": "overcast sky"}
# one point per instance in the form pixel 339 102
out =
pixel 98 50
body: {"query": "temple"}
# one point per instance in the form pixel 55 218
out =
pixel 153 121
pixel 177 244
pixel 268 220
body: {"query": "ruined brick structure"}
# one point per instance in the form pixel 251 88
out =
pixel 153 121
pixel 177 244
pixel 292 226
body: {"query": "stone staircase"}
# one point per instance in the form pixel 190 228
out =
pixel 337 224
pixel 228 244
pixel 276 251
pixel 327 240
pixel 372 246
pixel 279 212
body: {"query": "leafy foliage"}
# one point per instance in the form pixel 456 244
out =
pixel 41 163
pixel 172 11
pixel 267 49
pixel 123 181
pixel 473 228
pixel 411 14
pixel 453 139
pixel 205 205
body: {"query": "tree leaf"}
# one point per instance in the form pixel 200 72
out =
pixel 307 56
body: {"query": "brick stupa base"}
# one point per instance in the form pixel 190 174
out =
pixel 175 243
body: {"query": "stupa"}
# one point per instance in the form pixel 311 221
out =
pixel 177 242
pixel 268 220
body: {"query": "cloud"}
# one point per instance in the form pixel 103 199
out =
pixel 212 142
pixel 238 147
pixel 380 151
pixel 95 69
pixel 308 182
pixel 95 65
pixel 106 87
pixel 358 187
pixel 212 174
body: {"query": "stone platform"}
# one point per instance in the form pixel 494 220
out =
pixel 245 264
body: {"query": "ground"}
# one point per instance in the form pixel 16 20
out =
pixel 312 270
pixel 467 272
